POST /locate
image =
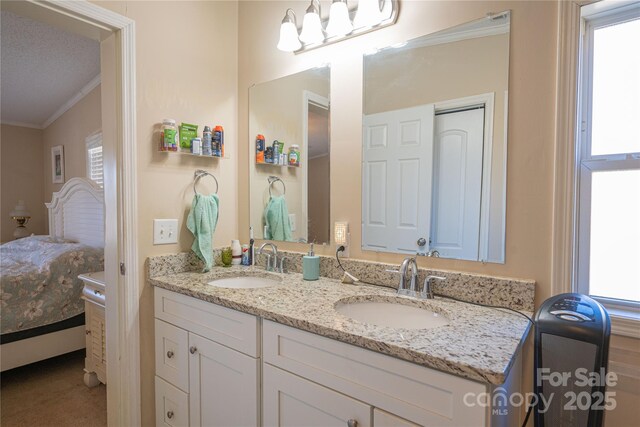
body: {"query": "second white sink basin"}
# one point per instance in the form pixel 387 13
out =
pixel 243 282
pixel 392 315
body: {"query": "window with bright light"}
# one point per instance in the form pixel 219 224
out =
pixel 94 158
pixel 608 208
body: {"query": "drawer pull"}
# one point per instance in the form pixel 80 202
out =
pixel 352 423
pixel 193 349
pixel 170 414
pixel 169 354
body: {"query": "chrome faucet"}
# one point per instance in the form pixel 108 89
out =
pixel 272 258
pixel 403 289
pixel 427 291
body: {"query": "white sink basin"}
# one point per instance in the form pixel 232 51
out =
pixel 244 282
pixel 392 315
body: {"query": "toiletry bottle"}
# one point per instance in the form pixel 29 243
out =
pixel 206 141
pixel 276 152
pixel 236 252
pixel 311 265
pixel 260 148
pixel 218 138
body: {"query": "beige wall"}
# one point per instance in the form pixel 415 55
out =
pixel 186 59
pixel 70 130
pixel 22 177
pixel 531 118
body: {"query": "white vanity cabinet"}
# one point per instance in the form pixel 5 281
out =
pixel 207 363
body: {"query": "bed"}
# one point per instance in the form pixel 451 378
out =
pixel 42 313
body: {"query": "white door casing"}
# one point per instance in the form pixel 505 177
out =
pixel 396 186
pixel 457 184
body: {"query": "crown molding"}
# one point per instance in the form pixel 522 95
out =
pixel 72 101
pixel 22 124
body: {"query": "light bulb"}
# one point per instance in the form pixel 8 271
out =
pixel 339 22
pixel 289 41
pixel 311 26
pixel 368 14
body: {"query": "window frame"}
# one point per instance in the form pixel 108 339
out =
pixel 94 140
pixel 587 164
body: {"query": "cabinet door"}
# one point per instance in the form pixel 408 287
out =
pixel 292 401
pixel 223 385
pixel 385 419
pixel 172 405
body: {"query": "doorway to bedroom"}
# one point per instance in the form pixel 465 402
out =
pixel 68 121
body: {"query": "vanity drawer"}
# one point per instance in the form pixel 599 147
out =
pixel 228 327
pixel 420 395
pixel 172 358
pixel 172 405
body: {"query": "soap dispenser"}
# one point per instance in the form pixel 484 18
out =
pixel 311 265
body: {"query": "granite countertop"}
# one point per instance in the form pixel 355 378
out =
pixel 478 343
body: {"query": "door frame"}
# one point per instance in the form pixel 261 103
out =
pixel 121 247
pixel 488 99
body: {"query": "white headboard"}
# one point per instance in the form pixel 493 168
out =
pixel 76 212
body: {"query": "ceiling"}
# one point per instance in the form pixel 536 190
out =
pixel 42 69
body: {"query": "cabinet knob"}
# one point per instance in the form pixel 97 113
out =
pixel 87 332
pixel 170 414
pixel 97 293
pixel 193 349
pixel 169 354
pixel 352 423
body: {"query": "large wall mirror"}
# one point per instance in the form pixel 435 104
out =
pixel 290 192
pixel 434 143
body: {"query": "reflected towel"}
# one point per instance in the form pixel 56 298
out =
pixel 276 217
pixel 201 222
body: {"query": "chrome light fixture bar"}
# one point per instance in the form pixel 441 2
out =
pixel 342 24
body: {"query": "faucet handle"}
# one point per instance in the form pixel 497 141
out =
pixel 427 292
pixel 282 259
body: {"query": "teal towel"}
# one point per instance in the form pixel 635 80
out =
pixel 201 222
pixel 276 217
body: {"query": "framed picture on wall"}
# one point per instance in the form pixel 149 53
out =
pixel 57 164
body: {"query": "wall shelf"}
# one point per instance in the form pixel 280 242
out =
pixel 277 166
pixel 183 153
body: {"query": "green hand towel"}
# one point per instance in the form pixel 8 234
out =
pixel 276 217
pixel 201 222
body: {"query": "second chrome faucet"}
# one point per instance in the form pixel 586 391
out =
pixel 408 285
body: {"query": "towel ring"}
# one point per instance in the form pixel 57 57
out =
pixel 199 173
pixel 273 179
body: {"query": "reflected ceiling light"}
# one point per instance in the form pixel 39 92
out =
pixel 311 26
pixel 289 41
pixel 339 21
pixel 368 14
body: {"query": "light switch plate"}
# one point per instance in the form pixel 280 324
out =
pixel 165 231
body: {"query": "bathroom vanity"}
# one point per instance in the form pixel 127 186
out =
pixel 283 355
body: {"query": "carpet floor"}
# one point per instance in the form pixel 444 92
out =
pixel 51 393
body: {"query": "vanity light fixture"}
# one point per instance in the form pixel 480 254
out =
pixel 370 15
pixel 312 32
pixel 289 41
pixel 339 20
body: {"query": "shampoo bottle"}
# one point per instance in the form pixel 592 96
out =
pixel 311 265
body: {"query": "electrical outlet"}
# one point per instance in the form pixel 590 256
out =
pixel 165 231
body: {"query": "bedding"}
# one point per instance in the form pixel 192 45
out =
pixel 39 282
